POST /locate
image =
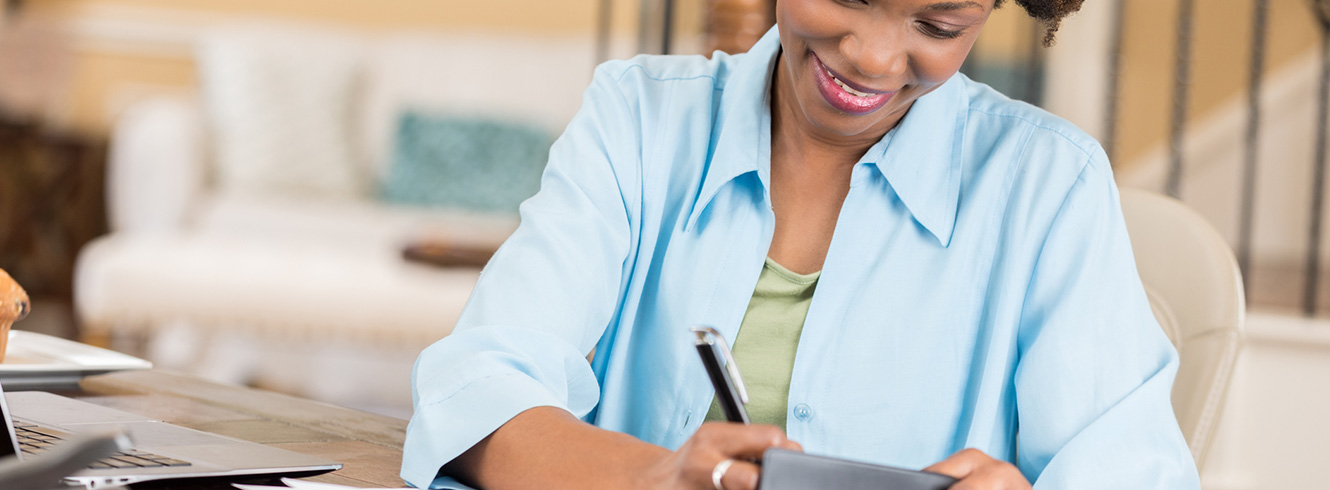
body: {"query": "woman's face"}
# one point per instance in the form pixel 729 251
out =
pixel 853 67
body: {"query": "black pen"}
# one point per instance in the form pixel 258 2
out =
pixel 730 392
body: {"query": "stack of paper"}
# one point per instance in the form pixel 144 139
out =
pixel 307 485
pixel 292 483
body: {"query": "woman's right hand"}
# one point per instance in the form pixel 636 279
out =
pixel 691 466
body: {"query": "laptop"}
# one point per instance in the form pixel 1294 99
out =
pixel 37 420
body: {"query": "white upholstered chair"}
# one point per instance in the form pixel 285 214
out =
pixel 1196 293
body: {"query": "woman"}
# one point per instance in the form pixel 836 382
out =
pixel 943 279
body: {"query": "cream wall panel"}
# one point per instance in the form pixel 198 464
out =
pixel 526 15
pixel 1220 57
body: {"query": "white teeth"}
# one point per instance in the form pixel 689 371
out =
pixel 847 88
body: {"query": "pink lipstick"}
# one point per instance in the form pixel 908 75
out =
pixel 843 94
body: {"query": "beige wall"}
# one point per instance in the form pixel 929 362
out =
pixel 1220 57
pixel 532 16
pixel 1221 54
pixel 103 77
pixel 107 72
pixel 126 48
pixel 103 83
pixel 1008 34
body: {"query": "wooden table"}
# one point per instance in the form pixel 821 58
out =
pixel 369 446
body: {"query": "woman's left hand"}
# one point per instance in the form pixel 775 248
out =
pixel 977 471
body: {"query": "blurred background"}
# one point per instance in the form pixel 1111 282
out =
pixel 297 194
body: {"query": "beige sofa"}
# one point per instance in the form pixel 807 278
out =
pixel 248 244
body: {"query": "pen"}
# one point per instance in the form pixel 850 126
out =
pixel 730 391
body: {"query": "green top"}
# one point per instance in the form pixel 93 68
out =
pixel 767 341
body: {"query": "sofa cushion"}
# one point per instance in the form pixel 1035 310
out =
pixel 466 163
pixel 313 292
pixel 472 73
pixel 281 102
pixel 360 225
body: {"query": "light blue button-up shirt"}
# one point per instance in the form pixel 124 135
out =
pixel 979 290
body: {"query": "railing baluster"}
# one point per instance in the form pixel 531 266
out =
pixel 666 27
pixel 1255 72
pixel 604 16
pixel 645 10
pixel 1032 89
pixel 1318 175
pixel 1114 77
pixel 1181 80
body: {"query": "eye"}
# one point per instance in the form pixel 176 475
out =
pixel 933 30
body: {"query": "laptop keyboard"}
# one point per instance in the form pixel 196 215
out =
pixel 33 439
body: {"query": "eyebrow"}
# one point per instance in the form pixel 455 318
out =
pixel 953 6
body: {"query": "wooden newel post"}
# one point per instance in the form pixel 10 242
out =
pixel 733 26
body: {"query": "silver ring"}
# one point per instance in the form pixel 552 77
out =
pixel 719 472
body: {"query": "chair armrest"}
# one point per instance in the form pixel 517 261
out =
pixel 157 165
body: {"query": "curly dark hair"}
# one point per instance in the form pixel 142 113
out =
pixel 1048 12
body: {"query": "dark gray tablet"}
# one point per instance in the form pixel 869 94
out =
pixel 791 470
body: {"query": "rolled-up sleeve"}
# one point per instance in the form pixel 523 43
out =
pixel 1095 371
pixel 543 300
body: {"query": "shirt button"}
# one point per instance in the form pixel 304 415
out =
pixel 803 412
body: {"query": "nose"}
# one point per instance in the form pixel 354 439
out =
pixel 879 53
pixel 22 310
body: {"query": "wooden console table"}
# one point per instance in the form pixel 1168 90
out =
pixel 52 203
pixel 369 446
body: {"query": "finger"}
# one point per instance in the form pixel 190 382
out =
pixel 986 478
pixel 740 441
pixel 975 481
pixel 961 464
pixel 793 446
pixel 994 475
pixel 742 475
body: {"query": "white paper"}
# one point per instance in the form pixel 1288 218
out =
pixel 307 485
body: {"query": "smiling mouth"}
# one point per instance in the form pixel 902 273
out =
pixel 848 88
pixel 856 90
pixel 846 96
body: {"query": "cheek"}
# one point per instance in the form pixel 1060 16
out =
pixel 936 62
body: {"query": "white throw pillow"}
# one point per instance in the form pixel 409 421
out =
pixel 281 104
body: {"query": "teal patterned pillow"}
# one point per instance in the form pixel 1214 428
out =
pixel 465 163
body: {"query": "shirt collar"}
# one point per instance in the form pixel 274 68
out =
pixel 741 137
pixel 920 159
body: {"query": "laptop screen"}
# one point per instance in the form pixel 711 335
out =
pixel 10 446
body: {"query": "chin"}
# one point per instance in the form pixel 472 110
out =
pixel 845 124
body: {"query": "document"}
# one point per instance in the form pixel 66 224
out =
pixel 307 485
pixel 292 483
